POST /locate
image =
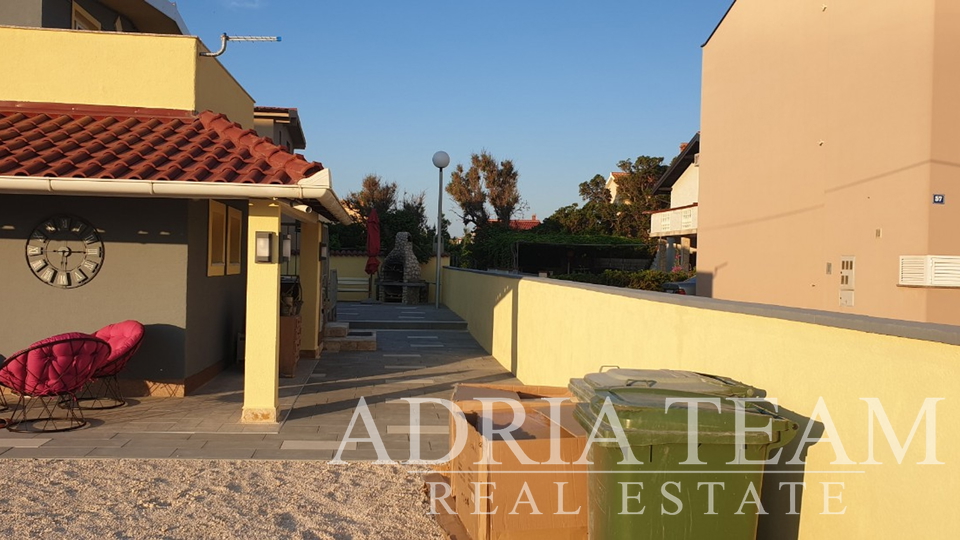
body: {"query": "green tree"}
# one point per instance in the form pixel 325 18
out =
pixel 486 181
pixel 374 193
pixel 408 214
pixel 628 216
pixel 595 190
pixel 635 190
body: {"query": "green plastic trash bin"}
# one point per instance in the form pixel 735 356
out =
pixel 677 501
pixel 662 379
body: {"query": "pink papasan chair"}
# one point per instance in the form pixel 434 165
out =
pixel 103 392
pixel 48 374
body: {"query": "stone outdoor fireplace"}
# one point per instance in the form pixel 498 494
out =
pixel 400 279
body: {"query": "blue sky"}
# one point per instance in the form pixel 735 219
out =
pixel 565 89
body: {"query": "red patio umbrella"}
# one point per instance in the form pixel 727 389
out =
pixel 373 242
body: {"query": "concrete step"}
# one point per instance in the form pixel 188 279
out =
pixel 336 329
pixel 408 325
pixel 363 340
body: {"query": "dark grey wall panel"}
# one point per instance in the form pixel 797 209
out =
pixel 143 277
pixel 59 14
pixel 216 306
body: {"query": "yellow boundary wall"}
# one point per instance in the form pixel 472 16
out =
pixel 352 266
pixel 548 331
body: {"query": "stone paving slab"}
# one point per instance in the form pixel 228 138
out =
pixel 317 405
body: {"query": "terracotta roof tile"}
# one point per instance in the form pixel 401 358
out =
pixel 84 141
pixel 520 224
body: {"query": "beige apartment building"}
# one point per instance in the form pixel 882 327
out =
pixel 830 157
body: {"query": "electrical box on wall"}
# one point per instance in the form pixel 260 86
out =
pixel 847 280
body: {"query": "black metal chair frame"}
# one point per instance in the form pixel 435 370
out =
pixel 104 392
pixel 101 394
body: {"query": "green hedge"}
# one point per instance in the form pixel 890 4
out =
pixel 492 247
pixel 647 280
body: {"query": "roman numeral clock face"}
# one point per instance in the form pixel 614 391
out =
pixel 65 252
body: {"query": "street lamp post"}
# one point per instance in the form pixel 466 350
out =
pixel 440 160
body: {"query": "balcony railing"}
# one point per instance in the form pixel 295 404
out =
pixel 674 222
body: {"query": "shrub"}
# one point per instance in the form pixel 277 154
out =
pixel 647 280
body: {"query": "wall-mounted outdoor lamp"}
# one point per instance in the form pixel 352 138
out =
pixel 287 250
pixel 324 252
pixel 264 247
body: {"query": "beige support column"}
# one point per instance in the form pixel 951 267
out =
pixel 261 377
pixel 310 273
pixel 685 252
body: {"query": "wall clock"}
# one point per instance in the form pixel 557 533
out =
pixel 65 252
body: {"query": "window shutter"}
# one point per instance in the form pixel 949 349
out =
pixel 944 271
pixel 930 270
pixel 913 270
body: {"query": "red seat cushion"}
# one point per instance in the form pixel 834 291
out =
pixel 124 339
pixel 55 365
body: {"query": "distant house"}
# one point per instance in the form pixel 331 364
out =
pixel 831 143
pixel 281 125
pixel 133 186
pixel 612 185
pixel 520 224
pixel 676 227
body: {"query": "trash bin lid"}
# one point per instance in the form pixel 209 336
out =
pixel 647 421
pixel 663 379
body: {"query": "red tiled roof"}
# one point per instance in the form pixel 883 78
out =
pixel 520 224
pixel 85 141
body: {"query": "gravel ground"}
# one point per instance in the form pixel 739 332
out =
pixel 118 499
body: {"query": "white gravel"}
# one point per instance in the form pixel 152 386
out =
pixel 117 499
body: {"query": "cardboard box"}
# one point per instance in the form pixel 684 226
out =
pixel 465 395
pixel 496 488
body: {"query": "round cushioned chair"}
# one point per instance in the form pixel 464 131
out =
pixel 49 373
pixel 104 391
pixel 3 397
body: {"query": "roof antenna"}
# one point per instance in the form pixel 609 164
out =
pixel 225 38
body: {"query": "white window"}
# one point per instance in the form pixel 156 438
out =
pixel 234 240
pixel 217 239
pixel 83 20
pixel 665 222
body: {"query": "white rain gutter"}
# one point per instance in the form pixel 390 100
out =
pixel 317 187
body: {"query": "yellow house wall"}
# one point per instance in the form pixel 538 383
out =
pixel 819 128
pixel 117 69
pixel 97 68
pixel 686 189
pixel 217 90
pixel 945 219
pixel 548 332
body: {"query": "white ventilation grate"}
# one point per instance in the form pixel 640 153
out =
pixel 913 270
pixel 944 271
pixel 930 270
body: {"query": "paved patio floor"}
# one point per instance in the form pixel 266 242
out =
pixel 316 405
